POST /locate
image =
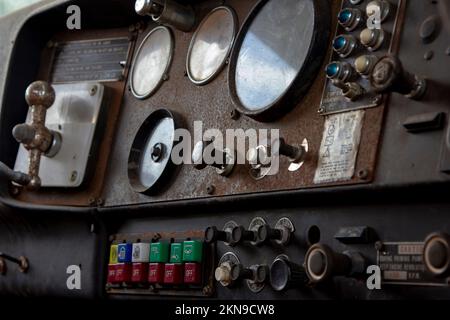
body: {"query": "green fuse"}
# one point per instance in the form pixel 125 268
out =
pixel 176 252
pixel 193 251
pixel 159 252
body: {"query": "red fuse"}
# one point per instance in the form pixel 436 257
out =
pixel 139 273
pixel 123 272
pixel 112 273
pixel 192 273
pixel 156 273
pixel 173 273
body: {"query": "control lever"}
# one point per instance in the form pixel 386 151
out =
pixel 257 274
pixel 265 233
pixel 36 137
pixel 388 75
pixel 239 235
pixel 212 235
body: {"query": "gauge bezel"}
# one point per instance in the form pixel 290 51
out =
pixel 305 77
pixel 137 147
pixel 166 70
pixel 214 75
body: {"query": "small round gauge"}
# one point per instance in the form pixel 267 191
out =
pixel 150 160
pixel 211 45
pixel 152 62
pixel 277 55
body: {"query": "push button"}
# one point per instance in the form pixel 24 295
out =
pixel 141 252
pixel 139 273
pixel 192 273
pixel 193 251
pixel 125 252
pixel 112 273
pixel 176 253
pixel 173 274
pixel 123 272
pixel 159 252
pixel 113 254
pixel 156 273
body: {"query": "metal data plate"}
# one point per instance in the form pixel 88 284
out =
pixel 90 60
pixel 74 115
pixel 401 263
pixel 333 101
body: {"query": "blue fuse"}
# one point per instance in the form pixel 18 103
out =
pixel 125 251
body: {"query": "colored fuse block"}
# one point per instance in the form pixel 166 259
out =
pixel 113 254
pixel 173 273
pixel 139 273
pixel 125 252
pixel 112 273
pixel 123 272
pixel 156 273
pixel 176 253
pixel 141 252
pixel 193 251
pixel 192 273
pixel 159 252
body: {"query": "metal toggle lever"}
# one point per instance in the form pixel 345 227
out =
pixel 35 136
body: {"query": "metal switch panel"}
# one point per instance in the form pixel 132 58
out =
pixel 75 115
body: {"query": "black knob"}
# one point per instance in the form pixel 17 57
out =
pixel 265 233
pixel 239 234
pixel 388 75
pixel 436 254
pixel 321 263
pixel 285 274
pixel 239 272
pixel 212 234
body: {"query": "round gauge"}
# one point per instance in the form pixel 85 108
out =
pixel 150 156
pixel 211 45
pixel 277 55
pixel 152 62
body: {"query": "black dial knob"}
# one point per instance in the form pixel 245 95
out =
pixel 388 75
pixel 239 234
pixel 239 272
pixel 436 254
pixel 285 274
pixel 321 263
pixel 265 233
pixel 212 234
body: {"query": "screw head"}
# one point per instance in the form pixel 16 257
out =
pixel 363 174
pixel 157 152
pixel 73 176
pixel 210 189
pixel 93 90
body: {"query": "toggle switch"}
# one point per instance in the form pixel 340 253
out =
pixel 123 273
pixel 345 45
pixel 351 90
pixel 322 263
pixel 388 75
pixel 159 252
pixel 192 273
pixel 125 252
pixel 156 273
pixel 141 252
pixel 372 39
pixel 222 160
pixel 436 254
pixel 350 18
pixel 173 273
pixel 285 274
pixel 340 70
pixel 265 234
pixel 139 273
pixel 192 251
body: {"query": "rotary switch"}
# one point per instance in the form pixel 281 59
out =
pixel 265 233
pixel 257 273
pixel 322 263
pixel 239 235
pixel 212 235
pixel 285 274
pixel 222 160
pixel 388 75
pixel 436 254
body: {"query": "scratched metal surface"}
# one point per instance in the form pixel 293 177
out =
pixel 212 104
